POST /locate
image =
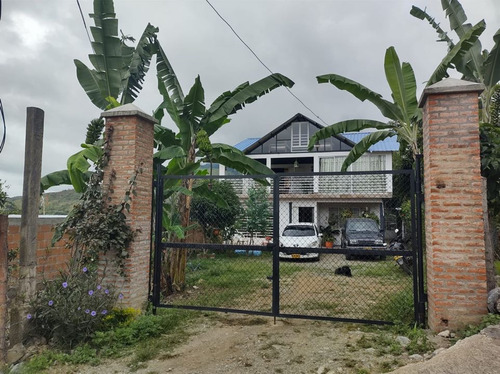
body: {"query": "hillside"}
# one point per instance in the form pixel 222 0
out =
pixel 52 203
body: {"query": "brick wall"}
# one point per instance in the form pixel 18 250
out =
pixel 132 142
pixel 50 260
pixel 456 271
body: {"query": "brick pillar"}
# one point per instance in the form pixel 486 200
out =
pixel 131 141
pixel 454 231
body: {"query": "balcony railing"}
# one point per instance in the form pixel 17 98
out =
pixel 337 185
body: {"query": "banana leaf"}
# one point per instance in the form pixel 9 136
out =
pixel 351 125
pixel 388 109
pixel 456 55
pixel 402 82
pixel 364 144
pixel 492 63
pixel 139 64
pixel 230 103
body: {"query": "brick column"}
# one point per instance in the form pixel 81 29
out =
pixel 131 134
pixel 454 231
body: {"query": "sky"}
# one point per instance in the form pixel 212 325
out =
pixel 39 39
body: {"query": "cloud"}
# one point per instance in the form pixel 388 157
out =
pixel 300 38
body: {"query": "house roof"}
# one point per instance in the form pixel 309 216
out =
pixel 295 118
pixel 386 145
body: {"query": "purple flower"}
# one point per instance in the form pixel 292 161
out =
pixel 106 291
pixel 91 292
pixel 65 284
pixel 79 308
pixel 104 311
pixel 87 311
pixel 120 296
pixel 51 302
pixel 99 287
pixel 93 313
pixel 29 316
pixel 85 269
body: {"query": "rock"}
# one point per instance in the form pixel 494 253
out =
pixel 445 334
pixel 322 370
pixel 493 298
pixel 370 350
pixel 15 353
pixel 403 340
pixel 17 368
pixel 416 357
pixel 436 352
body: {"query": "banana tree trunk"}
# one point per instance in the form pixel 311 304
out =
pixel 177 258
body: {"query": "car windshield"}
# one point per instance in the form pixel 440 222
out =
pixel 299 231
pixel 362 225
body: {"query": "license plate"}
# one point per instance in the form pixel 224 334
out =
pixel 295 255
pixel 367 248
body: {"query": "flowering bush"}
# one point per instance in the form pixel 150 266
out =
pixel 72 307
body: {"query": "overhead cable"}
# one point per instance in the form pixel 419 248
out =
pixel 261 62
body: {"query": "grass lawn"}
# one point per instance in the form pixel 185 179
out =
pixel 378 290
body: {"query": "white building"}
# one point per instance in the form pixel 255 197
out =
pixel 320 199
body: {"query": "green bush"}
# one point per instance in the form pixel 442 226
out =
pixel 69 309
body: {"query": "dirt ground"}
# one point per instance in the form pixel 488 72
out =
pixel 247 344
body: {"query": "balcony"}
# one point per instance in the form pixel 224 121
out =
pixel 317 186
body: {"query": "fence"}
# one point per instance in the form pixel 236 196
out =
pixel 321 251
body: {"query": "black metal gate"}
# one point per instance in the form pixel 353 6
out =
pixel 237 267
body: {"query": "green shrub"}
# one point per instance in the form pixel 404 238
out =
pixel 69 309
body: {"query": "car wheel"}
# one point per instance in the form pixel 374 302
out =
pixel 348 257
pixel 382 258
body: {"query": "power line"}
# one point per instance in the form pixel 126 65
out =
pixel 2 142
pixel 84 23
pixel 262 63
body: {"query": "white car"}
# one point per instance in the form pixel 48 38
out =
pixel 300 235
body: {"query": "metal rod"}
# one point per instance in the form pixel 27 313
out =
pixel 158 236
pixel 420 252
pixel 276 237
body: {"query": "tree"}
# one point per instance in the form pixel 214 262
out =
pixel 257 211
pixel 196 124
pixel 116 79
pixel 403 114
pixel 217 215
pixel 468 58
pixel 477 65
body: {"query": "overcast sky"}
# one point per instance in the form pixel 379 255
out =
pixel 298 38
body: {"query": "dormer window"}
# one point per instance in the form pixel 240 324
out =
pixel 300 136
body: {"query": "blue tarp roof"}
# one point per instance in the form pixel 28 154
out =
pixel 387 145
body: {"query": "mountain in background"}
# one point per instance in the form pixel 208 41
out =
pixel 51 203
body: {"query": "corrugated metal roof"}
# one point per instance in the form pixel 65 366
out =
pixel 244 144
pixel 387 145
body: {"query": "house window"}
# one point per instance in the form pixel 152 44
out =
pixel 364 183
pixel 306 214
pixel 300 136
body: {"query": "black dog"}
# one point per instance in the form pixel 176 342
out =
pixel 344 270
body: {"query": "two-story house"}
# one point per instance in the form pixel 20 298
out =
pixel 320 199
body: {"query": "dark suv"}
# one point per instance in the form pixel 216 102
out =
pixel 361 233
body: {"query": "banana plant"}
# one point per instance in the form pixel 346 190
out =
pixel 403 114
pixel 119 69
pixel 474 63
pixel 185 150
pixel 116 79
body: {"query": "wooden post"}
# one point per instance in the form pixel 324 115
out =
pixel 4 266
pixel 29 216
